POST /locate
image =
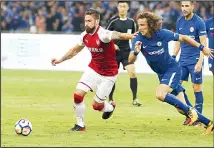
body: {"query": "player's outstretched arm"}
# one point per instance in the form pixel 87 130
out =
pixel 121 36
pixel 208 52
pixel 133 54
pixel 71 53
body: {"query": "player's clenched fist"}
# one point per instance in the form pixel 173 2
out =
pixel 138 46
pixel 54 61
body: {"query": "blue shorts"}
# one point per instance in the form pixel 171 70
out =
pixel 211 64
pixel 171 77
pixel 196 78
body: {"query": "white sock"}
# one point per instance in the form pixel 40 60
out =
pixel 107 107
pixel 79 111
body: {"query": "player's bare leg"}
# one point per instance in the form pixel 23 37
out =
pixel 133 83
pixel 79 109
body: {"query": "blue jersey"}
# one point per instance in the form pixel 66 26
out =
pixel 210 31
pixel 155 50
pixel 193 28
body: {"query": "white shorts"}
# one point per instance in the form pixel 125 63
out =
pixel 92 81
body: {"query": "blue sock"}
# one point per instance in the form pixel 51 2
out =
pixel 173 100
pixel 187 100
pixel 199 99
pixel 203 119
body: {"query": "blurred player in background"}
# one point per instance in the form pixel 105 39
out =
pixel 152 41
pixel 102 71
pixel 124 24
pixel 210 34
pixel 191 58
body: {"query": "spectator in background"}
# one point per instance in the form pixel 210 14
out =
pixel 203 14
pixel 167 22
pixel 40 22
pixel 18 15
pixel 23 23
pixel 78 20
pixel 52 20
pixel 158 9
pixel 174 14
pixel 67 27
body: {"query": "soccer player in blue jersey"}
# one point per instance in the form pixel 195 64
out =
pixel 152 41
pixel 191 58
pixel 210 34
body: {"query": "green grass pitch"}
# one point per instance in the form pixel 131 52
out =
pixel 46 97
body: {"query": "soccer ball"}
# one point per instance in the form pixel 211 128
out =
pixel 23 127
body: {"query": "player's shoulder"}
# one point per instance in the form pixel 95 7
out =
pixel 162 31
pixel 131 19
pixel 84 33
pixel 198 18
pixel 102 32
pixel 113 18
pixel 139 37
pixel 181 18
pixel 210 20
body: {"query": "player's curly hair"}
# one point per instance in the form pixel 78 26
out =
pixel 93 12
pixel 154 21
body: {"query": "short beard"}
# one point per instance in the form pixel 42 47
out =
pixel 90 30
pixel 188 15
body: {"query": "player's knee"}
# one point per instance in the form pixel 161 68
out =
pixel 160 95
pixel 78 98
pixel 98 106
pixel 197 87
pixel 132 75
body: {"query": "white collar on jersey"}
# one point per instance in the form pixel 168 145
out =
pixel 123 19
pixel 94 31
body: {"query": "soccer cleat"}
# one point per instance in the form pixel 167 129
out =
pixel 187 121
pixel 136 102
pixel 192 115
pixel 77 128
pixel 209 128
pixel 196 124
pixel 107 115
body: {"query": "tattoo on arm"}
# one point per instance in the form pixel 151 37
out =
pixel 115 35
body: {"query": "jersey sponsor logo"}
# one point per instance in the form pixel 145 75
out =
pixel 158 52
pixel 159 43
pixel 191 29
pixel 212 28
pixel 180 28
pixel 95 49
